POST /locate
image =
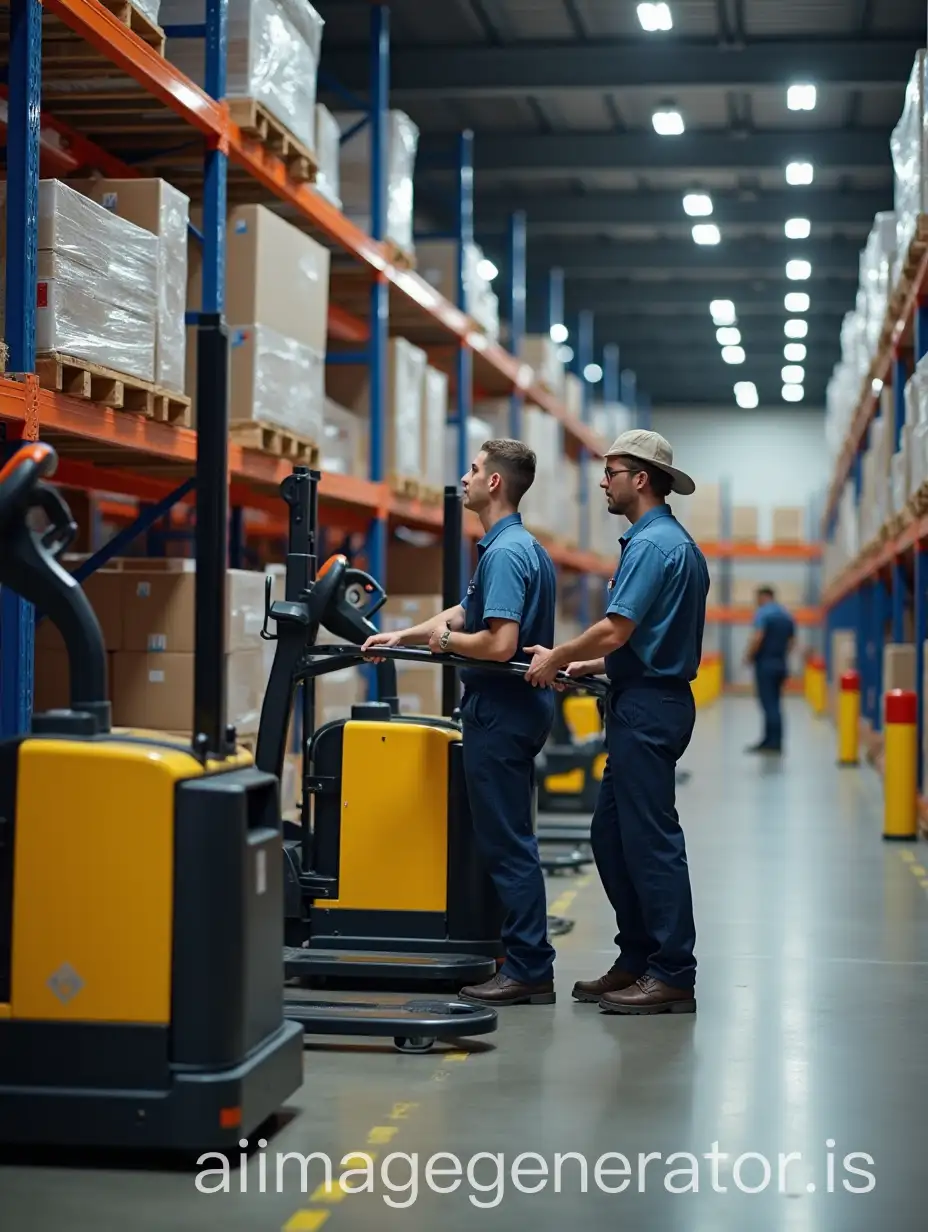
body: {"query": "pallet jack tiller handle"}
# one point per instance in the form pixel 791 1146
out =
pixel 29 566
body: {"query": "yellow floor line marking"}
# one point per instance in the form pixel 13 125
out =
pixel 457 1056
pixel 306 1221
pixel 381 1134
pixel 925 885
pixel 918 870
pixel 329 1193
pixel 401 1111
pixel 560 905
pixel 908 856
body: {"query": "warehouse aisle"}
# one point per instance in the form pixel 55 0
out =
pixel 813 944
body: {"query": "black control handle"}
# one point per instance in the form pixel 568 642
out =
pixel 20 478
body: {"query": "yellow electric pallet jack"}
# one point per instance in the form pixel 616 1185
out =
pixel 384 882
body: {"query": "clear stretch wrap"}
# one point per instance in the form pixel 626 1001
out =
pixel 355 175
pixel 149 8
pixel 876 267
pixel 907 146
pixel 328 156
pixel 434 419
pixel 408 365
pixel 277 381
pixel 96 293
pixel 273 55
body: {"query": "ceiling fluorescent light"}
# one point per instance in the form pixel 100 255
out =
pixel 797 228
pixel 728 337
pixel 733 354
pixel 799 173
pixel 792 393
pixel 792 374
pixel 798 271
pixel 796 301
pixel 794 352
pixel 706 233
pixel 796 328
pixel 654 17
pixel 667 123
pixel 593 373
pixel 723 312
pixel 559 333
pixel 801 97
pixel 697 205
pixel 746 395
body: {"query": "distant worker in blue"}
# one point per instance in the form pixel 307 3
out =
pixel 768 650
pixel 510 602
pixel 649 644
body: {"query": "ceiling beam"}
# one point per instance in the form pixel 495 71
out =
pixel 593 259
pixel 695 152
pixel 542 69
pixel 650 209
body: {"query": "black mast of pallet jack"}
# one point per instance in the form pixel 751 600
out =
pixel 212 536
pixel 301 492
pixel 452 531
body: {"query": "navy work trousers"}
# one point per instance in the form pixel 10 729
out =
pixel 770 677
pixel 503 734
pixel 638 842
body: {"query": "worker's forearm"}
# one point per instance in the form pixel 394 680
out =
pixel 483 645
pixel 599 640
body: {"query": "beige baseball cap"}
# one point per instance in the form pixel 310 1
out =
pixel 653 448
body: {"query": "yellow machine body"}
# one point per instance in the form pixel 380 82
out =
pixel 581 714
pixel 393 853
pixel 95 850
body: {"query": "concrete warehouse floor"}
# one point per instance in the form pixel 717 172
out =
pixel 813 992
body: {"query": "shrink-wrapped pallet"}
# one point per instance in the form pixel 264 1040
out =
pixel 273 56
pixel 907 145
pixel 328 156
pixel 97 283
pixel 355 174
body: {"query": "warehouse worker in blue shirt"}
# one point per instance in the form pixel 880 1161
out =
pixel 769 650
pixel 510 602
pixel 649 645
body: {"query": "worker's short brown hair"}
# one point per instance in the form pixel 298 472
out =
pixel 515 463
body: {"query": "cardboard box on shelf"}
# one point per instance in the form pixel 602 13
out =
pixel 419 688
pixel 162 209
pixel 104 591
pixel 434 422
pixel 159 605
pixel 744 523
pixel 541 354
pixel 349 385
pixel 276 276
pixel 898 666
pixel 337 692
pixel 788 524
pixel 156 689
pixel 52 677
pixel 355 174
pixel 344 446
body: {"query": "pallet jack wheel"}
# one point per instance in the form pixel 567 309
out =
pixel 414 1043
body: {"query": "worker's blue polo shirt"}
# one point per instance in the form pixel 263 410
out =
pixel 661 584
pixel 778 627
pixel 514 580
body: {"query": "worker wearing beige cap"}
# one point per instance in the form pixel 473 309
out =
pixel 649 645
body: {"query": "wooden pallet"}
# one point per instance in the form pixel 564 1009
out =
pixel 254 119
pixel 917 248
pixel 261 438
pixel 172 408
pixel 79 378
pixel 137 22
pixel 399 257
pixel 918 502
pixel 431 496
pixel 404 486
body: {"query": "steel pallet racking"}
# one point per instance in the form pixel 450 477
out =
pixel 114 452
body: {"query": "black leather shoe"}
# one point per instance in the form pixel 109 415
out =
pixel 501 990
pixel 613 981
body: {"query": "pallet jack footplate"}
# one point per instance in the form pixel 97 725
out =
pixel 414 1025
pixel 394 965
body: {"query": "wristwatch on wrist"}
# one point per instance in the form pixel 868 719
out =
pixel 444 639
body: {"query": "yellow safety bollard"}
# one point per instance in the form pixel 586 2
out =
pixel 818 685
pixel 807 678
pixel 900 765
pixel 849 720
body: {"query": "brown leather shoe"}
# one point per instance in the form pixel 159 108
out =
pixel 649 996
pixel 501 990
pixel 613 981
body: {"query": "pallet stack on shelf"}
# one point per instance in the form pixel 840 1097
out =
pixel 875 524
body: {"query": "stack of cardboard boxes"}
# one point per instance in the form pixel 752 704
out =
pixel 277 302
pixel 146 612
pixel 355 174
